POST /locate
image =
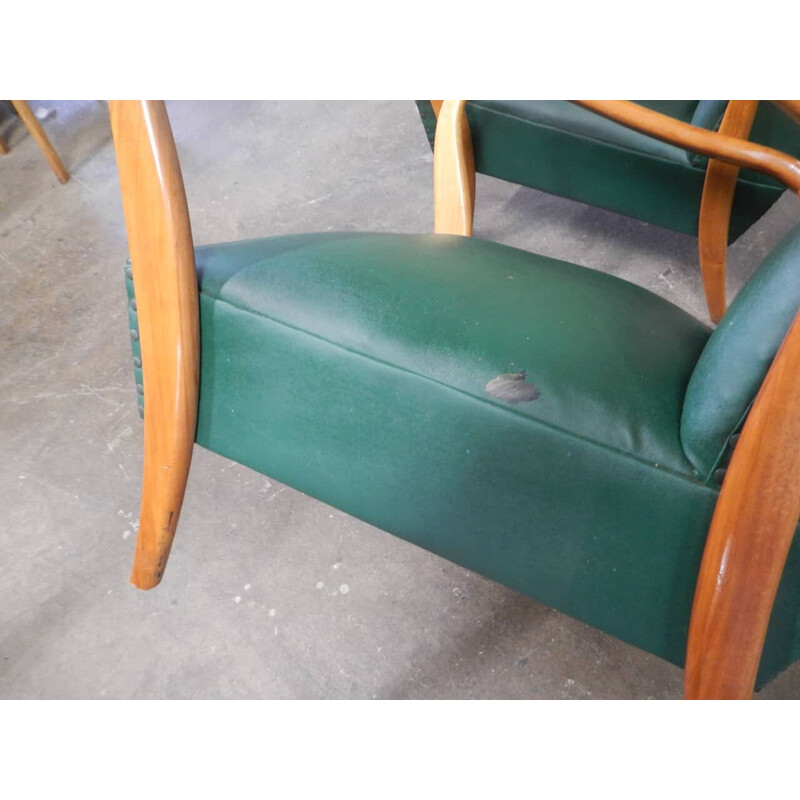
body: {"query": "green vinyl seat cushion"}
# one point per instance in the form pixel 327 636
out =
pixel 560 148
pixel 354 368
pixel 611 360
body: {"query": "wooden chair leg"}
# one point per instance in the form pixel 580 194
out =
pixel 453 171
pixel 715 208
pixel 3 147
pixel 37 132
pixel 165 282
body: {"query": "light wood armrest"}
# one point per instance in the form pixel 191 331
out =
pixel 165 281
pixel 752 529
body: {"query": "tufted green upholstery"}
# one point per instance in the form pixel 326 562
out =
pixel 563 149
pixel 354 368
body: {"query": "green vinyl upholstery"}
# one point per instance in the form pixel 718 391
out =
pixel 354 367
pixel 563 149
pixel 735 361
pixel 706 114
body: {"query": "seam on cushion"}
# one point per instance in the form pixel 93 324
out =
pixel 548 425
pixel 612 145
pixel 262 259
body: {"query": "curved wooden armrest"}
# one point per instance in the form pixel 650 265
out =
pixel 735 151
pixel 165 281
pixel 749 539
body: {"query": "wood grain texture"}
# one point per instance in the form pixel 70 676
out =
pixel 716 205
pixel 37 132
pixel 165 282
pixel 750 535
pixel 453 171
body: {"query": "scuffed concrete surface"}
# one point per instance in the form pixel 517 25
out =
pixel 269 593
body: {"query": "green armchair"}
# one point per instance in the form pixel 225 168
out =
pixel 560 148
pixel 557 429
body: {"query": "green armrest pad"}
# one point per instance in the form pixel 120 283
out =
pixel 772 128
pixel 708 114
pixel 354 368
pixel 738 355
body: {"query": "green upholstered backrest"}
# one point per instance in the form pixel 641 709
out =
pixel 708 113
pixel 738 355
pixel 703 113
pixel 771 127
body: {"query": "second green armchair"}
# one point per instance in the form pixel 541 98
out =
pixel 563 149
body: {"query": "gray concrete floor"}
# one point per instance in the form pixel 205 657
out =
pixel 269 593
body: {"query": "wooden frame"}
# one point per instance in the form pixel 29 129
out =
pixel 715 208
pixel 453 171
pixel 454 203
pixel 759 504
pixel 167 305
